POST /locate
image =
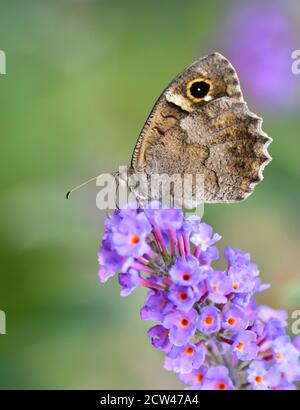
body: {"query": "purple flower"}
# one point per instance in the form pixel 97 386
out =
pixel 184 297
pixel 130 238
pixel 105 273
pixel 243 300
pixel 242 282
pixel 240 261
pixel 296 343
pixel 234 319
pixel 217 379
pixel 286 386
pixel 187 272
pixel 244 346
pixel 160 338
pixel 128 281
pixel 256 375
pixel 259 286
pixel 290 371
pixel 186 358
pixel 219 285
pixel 211 254
pixel 257 328
pixel 265 313
pixel 236 257
pixel 170 219
pixel 165 218
pixel 284 350
pixel 191 223
pixel 186 294
pixel 261 378
pixel 209 320
pixel 156 307
pixel 110 261
pixel 274 376
pixel 249 308
pixel 202 235
pixel 182 326
pixel 152 209
pixel 195 377
pixel 128 210
pixel 274 329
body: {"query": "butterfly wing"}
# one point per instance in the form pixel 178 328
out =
pixel 214 136
pixel 236 148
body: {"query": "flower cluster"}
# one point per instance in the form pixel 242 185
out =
pixel 207 322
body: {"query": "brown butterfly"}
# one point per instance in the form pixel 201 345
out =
pixel 201 125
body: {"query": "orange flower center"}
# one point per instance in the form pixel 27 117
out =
pixel 236 286
pixel 209 320
pixel 199 377
pixel 183 296
pixel 186 276
pixel 240 346
pixel 231 321
pixel 278 356
pixel 215 287
pixel 189 351
pixel 135 239
pixel 258 379
pixel 184 322
pixel 222 386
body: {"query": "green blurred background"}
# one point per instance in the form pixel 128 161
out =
pixel 81 78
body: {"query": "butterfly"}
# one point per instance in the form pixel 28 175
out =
pixel 201 126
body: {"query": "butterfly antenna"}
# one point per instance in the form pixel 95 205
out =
pixel 80 185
